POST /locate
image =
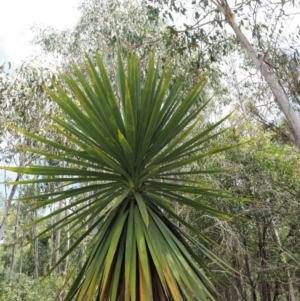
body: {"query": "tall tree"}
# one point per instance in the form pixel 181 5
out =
pixel 259 27
pixel 264 249
pixel 267 71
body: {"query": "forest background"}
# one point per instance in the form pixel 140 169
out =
pixel 265 248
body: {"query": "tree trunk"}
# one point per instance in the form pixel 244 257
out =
pixel 21 253
pixel 265 288
pixel 68 242
pixel 249 270
pixel 239 278
pixel 36 249
pixel 51 241
pixel 292 118
pixel 7 205
pixel 57 241
pixel 13 253
pixel 276 237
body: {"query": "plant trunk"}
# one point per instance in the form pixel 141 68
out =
pixel 7 205
pixel 265 289
pixel 292 118
pixel 21 254
pixel 51 241
pixel 13 253
pixel 57 242
pixel 36 249
pixel 239 278
pixel 249 271
pixel 68 242
pixel 276 238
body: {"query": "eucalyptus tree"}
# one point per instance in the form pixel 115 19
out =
pixel 136 26
pixel 288 73
pixel 262 62
pixel 197 36
pixel 130 143
pixel 265 249
pixel 23 103
pixel 258 27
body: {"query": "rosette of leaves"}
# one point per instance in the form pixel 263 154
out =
pixel 131 141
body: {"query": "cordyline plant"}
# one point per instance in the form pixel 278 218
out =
pixel 130 145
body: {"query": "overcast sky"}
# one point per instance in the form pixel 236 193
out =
pixel 17 17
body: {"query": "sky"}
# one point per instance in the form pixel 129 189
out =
pixel 18 16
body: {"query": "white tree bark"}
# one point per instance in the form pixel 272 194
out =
pixel 292 118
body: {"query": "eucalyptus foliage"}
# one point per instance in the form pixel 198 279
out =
pixel 123 148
